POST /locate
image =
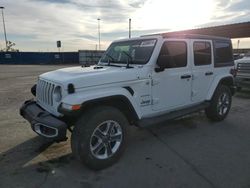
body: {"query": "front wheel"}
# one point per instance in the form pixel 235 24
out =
pixel 99 137
pixel 220 104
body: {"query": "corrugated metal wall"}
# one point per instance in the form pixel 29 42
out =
pixel 244 51
pixel 39 58
pixel 89 57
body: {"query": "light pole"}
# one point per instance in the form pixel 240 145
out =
pixel 238 44
pixel 129 28
pixel 99 33
pixel 6 42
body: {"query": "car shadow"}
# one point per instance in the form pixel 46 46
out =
pixel 25 151
pixel 37 162
pixel 31 163
pixel 182 124
pixel 16 164
pixel 244 94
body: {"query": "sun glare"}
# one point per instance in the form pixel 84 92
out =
pixel 174 14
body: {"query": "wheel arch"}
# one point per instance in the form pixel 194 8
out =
pixel 225 80
pixel 120 102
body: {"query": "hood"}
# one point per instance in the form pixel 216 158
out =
pixel 91 76
pixel 242 60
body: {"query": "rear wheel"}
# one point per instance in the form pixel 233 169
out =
pixel 220 104
pixel 99 137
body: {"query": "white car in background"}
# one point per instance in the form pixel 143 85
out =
pixel 242 67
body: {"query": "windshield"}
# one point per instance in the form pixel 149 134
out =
pixel 135 51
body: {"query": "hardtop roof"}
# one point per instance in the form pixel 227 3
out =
pixel 188 36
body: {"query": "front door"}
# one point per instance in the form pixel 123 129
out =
pixel 171 88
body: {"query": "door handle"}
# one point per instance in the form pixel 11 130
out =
pixel 209 73
pixel 185 76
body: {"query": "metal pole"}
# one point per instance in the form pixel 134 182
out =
pixel 99 33
pixel 6 42
pixel 129 30
pixel 238 44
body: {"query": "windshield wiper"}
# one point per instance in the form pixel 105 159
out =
pixel 114 65
pixel 110 57
pixel 113 60
pixel 129 60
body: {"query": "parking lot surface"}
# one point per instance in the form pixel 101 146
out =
pixel 189 152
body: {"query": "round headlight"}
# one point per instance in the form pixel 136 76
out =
pixel 57 94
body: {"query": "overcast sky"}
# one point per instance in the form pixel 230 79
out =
pixel 36 25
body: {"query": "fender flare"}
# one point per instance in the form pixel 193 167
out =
pixel 220 79
pixel 105 96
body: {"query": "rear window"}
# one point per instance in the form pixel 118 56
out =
pixel 223 53
pixel 202 53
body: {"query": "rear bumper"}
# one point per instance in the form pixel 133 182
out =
pixel 42 122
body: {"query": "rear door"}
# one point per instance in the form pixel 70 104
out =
pixel 202 69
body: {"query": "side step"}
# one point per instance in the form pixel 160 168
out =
pixel 146 122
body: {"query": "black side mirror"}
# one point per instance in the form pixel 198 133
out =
pixel 162 62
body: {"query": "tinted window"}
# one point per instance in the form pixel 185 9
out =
pixel 223 52
pixel 176 52
pixel 202 53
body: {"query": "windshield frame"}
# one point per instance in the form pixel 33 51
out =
pixel 101 62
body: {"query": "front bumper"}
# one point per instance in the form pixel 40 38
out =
pixel 242 82
pixel 42 122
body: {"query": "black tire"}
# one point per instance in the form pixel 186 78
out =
pixel 220 106
pixel 83 137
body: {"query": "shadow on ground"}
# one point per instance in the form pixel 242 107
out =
pixel 43 161
pixel 26 161
pixel 244 94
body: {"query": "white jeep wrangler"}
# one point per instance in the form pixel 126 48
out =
pixel 141 81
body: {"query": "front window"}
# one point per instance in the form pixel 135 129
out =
pixel 133 51
pixel 175 53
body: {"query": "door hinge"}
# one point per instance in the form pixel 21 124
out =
pixel 194 93
pixel 155 82
pixel 155 101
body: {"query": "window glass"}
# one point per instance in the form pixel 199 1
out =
pixel 176 53
pixel 223 52
pixel 136 51
pixel 202 53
